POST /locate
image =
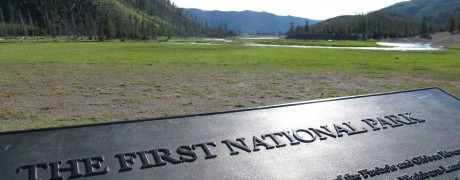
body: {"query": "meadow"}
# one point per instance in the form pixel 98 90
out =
pixel 49 84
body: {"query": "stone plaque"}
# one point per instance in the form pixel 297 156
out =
pixel 399 135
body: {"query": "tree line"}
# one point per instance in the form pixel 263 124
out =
pixel 453 24
pixel 102 19
pixel 375 25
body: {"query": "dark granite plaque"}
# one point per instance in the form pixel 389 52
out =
pixel 399 135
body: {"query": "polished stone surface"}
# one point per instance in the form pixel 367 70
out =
pixel 383 136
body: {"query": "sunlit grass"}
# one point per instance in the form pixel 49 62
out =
pixel 109 59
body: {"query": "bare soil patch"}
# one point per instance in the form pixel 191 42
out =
pixel 34 92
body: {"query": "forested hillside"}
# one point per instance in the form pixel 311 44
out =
pixel 436 11
pixel 415 17
pixel 105 19
pixel 373 25
pixel 247 22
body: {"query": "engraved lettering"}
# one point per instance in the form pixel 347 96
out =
pixel 301 139
pixel 186 151
pixel 320 132
pixel 32 170
pixel 378 171
pixel 355 131
pixel 453 168
pixel 126 163
pixel 144 160
pixel 160 159
pixel 56 169
pixel 405 164
pixel 425 175
pixel 241 145
pixel 339 129
pixel 273 136
pixel 259 142
pixel 352 177
pixel 447 154
pixel 372 123
pixel 291 138
pixel 385 123
pixel 395 120
pixel 425 159
pixel 206 149
pixel 94 167
pixel 409 118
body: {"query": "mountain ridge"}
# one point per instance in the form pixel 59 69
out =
pixel 247 21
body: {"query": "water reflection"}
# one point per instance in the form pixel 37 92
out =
pixel 260 38
pixel 390 47
pixel 387 46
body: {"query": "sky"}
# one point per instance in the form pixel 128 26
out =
pixel 312 9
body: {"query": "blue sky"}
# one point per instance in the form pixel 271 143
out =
pixel 313 9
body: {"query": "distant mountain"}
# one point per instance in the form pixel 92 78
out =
pixel 247 22
pixel 436 11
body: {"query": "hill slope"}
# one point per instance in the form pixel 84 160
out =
pixel 436 11
pixel 373 25
pixel 96 18
pixel 400 20
pixel 247 21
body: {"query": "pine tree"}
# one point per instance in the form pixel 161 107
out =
pixel 298 30
pixel 109 31
pixel 2 19
pixel 31 24
pixel 458 24
pixel 291 28
pixel 306 28
pixel 451 25
pixel 424 29
pixel 2 23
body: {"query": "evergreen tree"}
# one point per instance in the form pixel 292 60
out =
pixel 298 30
pixel 424 29
pixel 109 31
pixel 88 18
pixel 373 25
pixel 291 28
pixel 306 28
pixel 458 24
pixel 1 16
pixel 2 23
pixel 451 24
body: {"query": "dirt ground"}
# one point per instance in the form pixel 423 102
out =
pixel 42 92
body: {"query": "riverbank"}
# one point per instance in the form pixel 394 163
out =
pixel 444 39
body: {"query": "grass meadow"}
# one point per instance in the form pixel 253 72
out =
pixel 49 84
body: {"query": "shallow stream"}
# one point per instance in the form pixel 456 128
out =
pixel 388 47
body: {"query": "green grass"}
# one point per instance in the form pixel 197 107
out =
pixel 416 69
pixel 142 56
